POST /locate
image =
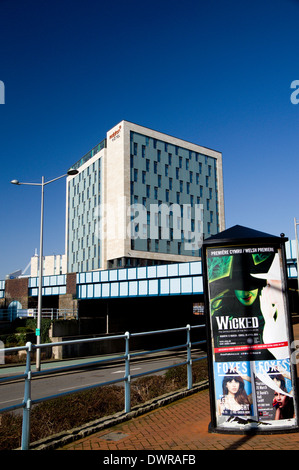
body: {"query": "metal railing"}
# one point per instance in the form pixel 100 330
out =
pixel 28 375
pixel 55 313
pixel 9 315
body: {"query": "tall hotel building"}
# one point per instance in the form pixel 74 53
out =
pixel 142 197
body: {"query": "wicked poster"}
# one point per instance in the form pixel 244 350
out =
pixel 249 335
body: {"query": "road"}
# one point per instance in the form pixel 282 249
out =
pixel 11 393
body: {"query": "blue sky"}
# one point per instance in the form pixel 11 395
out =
pixel 216 73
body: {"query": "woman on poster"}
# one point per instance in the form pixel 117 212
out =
pixel 234 401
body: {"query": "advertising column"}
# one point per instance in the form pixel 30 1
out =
pixel 253 383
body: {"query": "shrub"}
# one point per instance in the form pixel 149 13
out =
pixel 67 412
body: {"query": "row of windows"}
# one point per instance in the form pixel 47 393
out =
pixel 167 170
pixel 192 177
pixel 169 163
pixel 155 193
pixel 158 245
pixel 81 266
pixel 87 253
pixel 163 146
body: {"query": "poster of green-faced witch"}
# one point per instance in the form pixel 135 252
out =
pixel 250 338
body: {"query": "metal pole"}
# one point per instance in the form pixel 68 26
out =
pixel 127 376
pixel 27 401
pixel 40 280
pixel 189 360
pixel 107 320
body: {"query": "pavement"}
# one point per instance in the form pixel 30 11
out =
pixel 181 426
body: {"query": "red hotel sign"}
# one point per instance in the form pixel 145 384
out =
pixel 115 134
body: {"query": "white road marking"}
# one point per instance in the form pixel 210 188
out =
pixel 123 371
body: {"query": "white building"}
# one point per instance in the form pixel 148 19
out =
pixel 115 204
pixel 52 265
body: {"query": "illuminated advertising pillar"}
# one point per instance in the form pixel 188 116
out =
pixel 252 363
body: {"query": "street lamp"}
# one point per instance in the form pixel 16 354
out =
pixel 40 276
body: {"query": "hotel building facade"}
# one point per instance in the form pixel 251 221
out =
pixel 142 197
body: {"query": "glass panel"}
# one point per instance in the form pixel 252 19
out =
pixel 132 273
pixel 153 287
pixel 184 269
pixel 197 285
pixel 104 276
pixel 151 271
pixel 105 290
pixel 90 291
pixel 143 287
pixel 187 285
pixel 122 274
pixel 164 286
pixel 97 290
pixel 114 289
pixel 113 275
pixel 141 273
pixel 175 286
pixel 162 271
pixel 173 270
pixel 195 267
pixel 133 288
pixel 123 288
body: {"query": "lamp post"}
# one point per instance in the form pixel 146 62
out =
pixel 41 239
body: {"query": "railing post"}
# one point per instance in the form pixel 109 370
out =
pixel 189 360
pixel 27 401
pixel 127 375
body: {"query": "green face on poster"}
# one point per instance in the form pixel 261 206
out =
pixel 246 297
